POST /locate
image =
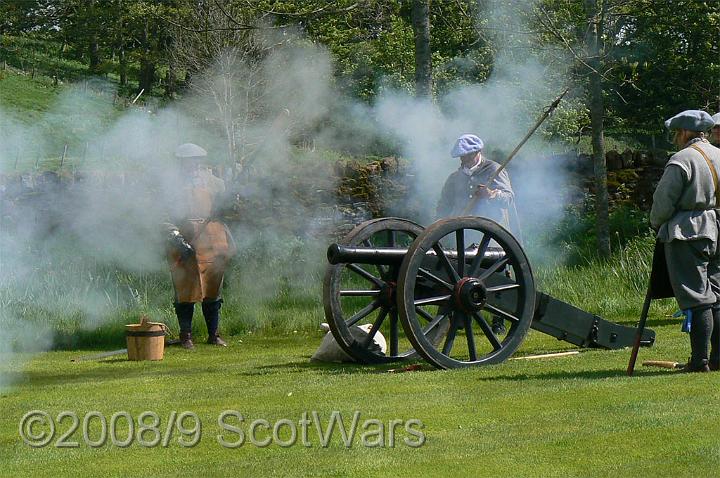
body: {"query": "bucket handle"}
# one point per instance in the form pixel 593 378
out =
pixel 163 325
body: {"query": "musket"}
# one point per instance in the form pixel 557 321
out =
pixel 473 202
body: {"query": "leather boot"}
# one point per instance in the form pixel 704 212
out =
pixel 700 332
pixel 692 367
pixel 216 340
pixel 186 340
pixel 211 312
pixel 184 312
pixel 715 339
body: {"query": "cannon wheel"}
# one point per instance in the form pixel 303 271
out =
pixel 471 293
pixel 375 302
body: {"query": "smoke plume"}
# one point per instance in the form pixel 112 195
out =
pixel 72 241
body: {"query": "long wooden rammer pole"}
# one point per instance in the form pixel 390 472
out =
pixel 473 202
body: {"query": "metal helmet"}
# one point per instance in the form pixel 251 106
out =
pixel 189 151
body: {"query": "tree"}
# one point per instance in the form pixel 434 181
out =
pixel 667 60
pixel 423 55
pixel 224 62
pixel 149 23
pixel 596 10
pixel 585 33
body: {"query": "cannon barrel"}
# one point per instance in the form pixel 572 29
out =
pixel 392 256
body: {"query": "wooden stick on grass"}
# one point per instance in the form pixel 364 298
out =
pixel 99 356
pixel 552 355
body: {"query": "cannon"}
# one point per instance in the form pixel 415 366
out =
pixel 434 292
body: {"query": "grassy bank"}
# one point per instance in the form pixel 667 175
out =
pixel 613 288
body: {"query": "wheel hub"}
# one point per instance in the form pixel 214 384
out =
pixel 470 294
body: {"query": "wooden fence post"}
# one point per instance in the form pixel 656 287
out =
pixel 62 160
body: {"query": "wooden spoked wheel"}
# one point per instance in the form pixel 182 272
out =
pixel 365 295
pixel 474 274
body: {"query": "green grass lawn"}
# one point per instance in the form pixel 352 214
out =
pixel 570 416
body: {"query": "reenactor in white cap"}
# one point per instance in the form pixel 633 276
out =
pixel 468 185
pixel 200 246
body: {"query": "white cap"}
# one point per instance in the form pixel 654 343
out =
pixel 190 150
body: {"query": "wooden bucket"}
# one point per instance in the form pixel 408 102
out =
pixel 146 340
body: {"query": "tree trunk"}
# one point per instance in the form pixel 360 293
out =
pixel 171 76
pixel 170 81
pixel 121 45
pixel 147 75
pixel 94 54
pixel 597 113
pixel 147 66
pixel 123 66
pixel 423 58
pixel 93 47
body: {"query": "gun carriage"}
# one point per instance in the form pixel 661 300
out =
pixel 434 293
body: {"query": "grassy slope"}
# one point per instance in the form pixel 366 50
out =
pixel 32 97
pixel 58 115
pixel 576 416
pixel 43 56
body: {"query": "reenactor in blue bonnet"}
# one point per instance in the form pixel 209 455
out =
pixel 468 186
pixel 199 245
pixel 685 218
pixel 715 131
pixel 467 193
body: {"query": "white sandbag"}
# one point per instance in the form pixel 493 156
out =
pixel 330 351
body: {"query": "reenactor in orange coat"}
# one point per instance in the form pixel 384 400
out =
pixel 199 245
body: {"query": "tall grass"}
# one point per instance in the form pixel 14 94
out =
pixel 274 285
pixel 613 288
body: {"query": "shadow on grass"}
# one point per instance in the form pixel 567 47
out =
pixel 341 368
pixel 111 373
pixel 650 322
pixel 86 369
pixel 664 322
pixel 581 374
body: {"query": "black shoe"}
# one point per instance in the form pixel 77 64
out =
pixel 216 340
pixel 714 366
pixel 695 368
pixel 498 326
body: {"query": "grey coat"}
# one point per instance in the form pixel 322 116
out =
pixel 684 202
pixel 459 188
pixel 684 215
